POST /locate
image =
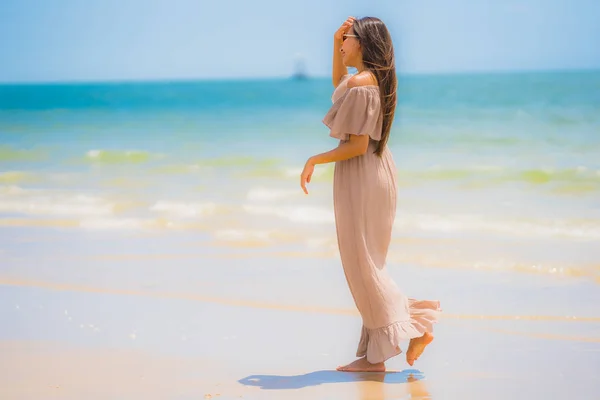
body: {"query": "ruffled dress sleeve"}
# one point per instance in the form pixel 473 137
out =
pixel 357 112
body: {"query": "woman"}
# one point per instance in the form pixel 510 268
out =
pixel 365 194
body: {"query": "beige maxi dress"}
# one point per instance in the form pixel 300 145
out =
pixel 364 193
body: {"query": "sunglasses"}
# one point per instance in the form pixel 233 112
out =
pixel 345 36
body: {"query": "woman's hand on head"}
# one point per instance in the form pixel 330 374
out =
pixel 339 34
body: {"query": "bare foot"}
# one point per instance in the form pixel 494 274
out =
pixel 416 347
pixel 362 365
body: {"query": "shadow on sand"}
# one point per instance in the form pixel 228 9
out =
pixel 323 377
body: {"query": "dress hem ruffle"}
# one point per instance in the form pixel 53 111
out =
pixel 381 344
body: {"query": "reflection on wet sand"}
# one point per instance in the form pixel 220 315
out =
pixel 375 388
pixel 418 389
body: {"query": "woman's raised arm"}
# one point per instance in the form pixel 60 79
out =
pixel 339 69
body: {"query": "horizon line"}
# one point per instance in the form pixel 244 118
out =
pixel 308 77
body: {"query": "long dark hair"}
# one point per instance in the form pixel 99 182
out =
pixel 378 58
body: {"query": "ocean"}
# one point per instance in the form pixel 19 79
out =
pixel 496 171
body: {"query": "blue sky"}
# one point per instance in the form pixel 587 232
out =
pixel 67 40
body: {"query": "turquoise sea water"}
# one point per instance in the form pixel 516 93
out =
pixel 495 170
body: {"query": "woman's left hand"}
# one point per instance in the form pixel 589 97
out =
pixel 307 172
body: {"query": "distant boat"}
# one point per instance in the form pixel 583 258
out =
pixel 300 69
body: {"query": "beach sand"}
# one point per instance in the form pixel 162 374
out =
pixel 123 316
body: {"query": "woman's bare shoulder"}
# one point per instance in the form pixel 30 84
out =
pixel 363 79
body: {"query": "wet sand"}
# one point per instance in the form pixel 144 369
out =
pixel 181 349
pixel 139 317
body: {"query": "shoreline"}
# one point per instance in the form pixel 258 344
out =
pixel 78 288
